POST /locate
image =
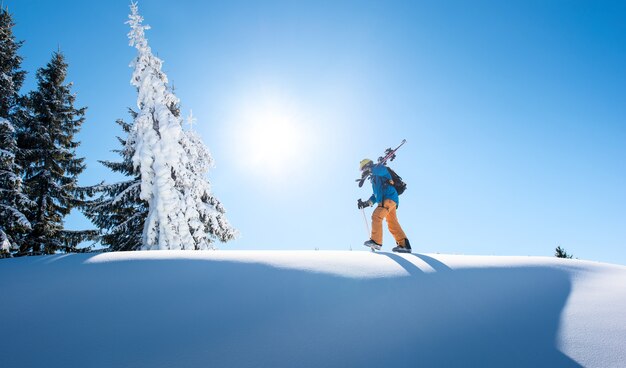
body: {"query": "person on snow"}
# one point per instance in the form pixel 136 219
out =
pixel 387 198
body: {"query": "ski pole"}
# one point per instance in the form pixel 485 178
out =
pixel 367 226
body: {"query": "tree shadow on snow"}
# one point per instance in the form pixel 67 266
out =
pixel 200 313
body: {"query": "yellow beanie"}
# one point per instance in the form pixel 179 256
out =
pixel 365 162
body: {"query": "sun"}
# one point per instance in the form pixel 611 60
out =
pixel 273 136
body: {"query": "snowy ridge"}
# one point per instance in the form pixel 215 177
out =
pixel 311 309
pixel 358 264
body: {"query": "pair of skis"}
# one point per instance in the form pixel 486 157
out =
pixel 390 155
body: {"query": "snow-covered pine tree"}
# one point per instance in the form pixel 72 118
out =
pixel 13 202
pixel 182 213
pixel 205 214
pixel 119 212
pixel 49 160
pixel 155 136
pixel 11 75
pixel 13 222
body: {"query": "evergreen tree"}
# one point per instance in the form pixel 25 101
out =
pixel 11 77
pixel 118 211
pixel 49 160
pixel 178 211
pixel 561 253
pixel 205 214
pixel 13 222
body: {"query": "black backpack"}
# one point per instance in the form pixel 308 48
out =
pixel 396 181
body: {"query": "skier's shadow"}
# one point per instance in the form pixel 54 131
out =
pixel 409 267
pixel 437 265
pixel 413 269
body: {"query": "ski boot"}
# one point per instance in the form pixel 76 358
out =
pixel 373 245
pixel 403 249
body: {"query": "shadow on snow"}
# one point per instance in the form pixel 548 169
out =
pixel 199 313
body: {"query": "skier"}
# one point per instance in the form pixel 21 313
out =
pixel 387 198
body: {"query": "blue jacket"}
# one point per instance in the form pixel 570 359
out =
pixel 380 184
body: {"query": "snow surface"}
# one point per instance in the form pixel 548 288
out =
pixel 310 309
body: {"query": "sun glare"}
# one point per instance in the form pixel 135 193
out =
pixel 273 136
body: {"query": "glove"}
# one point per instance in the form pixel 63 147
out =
pixel 361 204
pixel 364 175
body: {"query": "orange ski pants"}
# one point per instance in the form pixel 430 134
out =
pixel 387 210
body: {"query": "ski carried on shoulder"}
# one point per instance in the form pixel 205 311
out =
pixel 390 155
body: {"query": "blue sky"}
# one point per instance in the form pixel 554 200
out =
pixel 514 113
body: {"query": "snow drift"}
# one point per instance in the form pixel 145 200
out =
pixel 310 309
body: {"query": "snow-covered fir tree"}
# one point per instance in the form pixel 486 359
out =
pixel 205 214
pixel 11 75
pixel 13 222
pixel 118 211
pixel 49 160
pixel 172 163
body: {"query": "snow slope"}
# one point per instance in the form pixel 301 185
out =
pixel 310 309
